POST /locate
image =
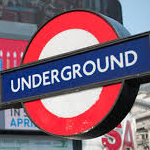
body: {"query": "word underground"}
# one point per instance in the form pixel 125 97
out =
pixel 75 71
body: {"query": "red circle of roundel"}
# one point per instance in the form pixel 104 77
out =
pixel 43 118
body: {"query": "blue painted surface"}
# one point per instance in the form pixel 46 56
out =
pixel 139 46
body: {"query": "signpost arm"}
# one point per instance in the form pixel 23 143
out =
pixel 134 46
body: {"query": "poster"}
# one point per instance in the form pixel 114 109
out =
pixel 16 119
pixel 120 138
pixel 11 53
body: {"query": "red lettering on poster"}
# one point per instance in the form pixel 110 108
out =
pixel 114 143
pixel 128 137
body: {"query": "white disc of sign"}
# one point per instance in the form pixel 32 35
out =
pixel 88 113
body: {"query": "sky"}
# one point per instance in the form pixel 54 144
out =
pixel 136 15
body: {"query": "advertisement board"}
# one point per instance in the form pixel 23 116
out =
pixel 11 52
pixel 16 119
pixel 120 138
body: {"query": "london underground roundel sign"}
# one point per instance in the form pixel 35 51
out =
pixel 88 113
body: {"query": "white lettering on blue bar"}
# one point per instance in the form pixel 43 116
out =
pixel 74 71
